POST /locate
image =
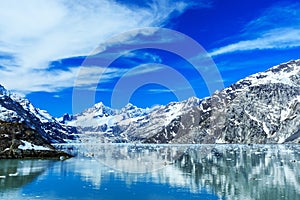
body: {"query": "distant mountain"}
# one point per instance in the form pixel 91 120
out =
pixel 262 108
pixel 24 127
pixel 106 124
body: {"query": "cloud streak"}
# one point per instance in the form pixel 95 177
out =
pixel 59 79
pixel 274 39
pixel 34 33
pixel 277 28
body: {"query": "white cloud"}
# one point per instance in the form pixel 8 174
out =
pixel 160 91
pixel 42 80
pixel 277 28
pixel 274 39
pixel 278 15
pixel 56 96
pixel 144 69
pixel 86 77
pixel 144 56
pixel 36 32
pixel 24 81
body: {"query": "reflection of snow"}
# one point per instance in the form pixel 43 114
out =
pixel 230 171
pixel 241 173
pixel 95 172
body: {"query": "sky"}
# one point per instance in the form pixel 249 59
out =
pixel 64 56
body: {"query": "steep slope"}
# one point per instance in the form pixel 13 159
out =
pixel 106 124
pixel 19 141
pixel 19 110
pixel 26 131
pixel 130 124
pixel 262 108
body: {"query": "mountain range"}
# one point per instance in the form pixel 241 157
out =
pixel 261 108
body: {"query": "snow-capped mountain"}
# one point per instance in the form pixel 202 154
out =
pixel 107 124
pixel 129 124
pixel 262 108
pixel 17 110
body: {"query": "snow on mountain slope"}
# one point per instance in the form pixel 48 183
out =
pixel 14 109
pixel 92 117
pixel 129 124
pixel 261 108
pixel 158 119
pixel 42 115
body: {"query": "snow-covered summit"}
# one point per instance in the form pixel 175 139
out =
pixel 261 108
pixel 130 123
pixel 286 73
pixel 99 110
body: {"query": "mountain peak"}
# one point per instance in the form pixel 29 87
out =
pixel 98 110
pixel 285 67
pixel 99 105
pixel 3 91
pixel 261 108
pixel 193 100
pixel 129 106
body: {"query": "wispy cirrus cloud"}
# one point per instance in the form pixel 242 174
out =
pixel 277 28
pixel 34 33
pixel 42 80
pixel 281 38
pixel 160 90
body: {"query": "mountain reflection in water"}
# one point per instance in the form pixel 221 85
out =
pixel 159 172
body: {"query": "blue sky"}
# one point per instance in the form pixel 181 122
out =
pixel 46 46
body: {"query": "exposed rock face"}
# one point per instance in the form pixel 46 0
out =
pixel 259 114
pixel 26 131
pixel 130 124
pixel 19 141
pixel 19 110
pixel 262 108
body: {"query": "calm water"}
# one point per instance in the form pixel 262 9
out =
pixel 157 172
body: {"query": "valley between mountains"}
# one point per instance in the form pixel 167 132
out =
pixel 262 108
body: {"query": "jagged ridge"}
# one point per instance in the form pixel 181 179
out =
pixel 262 108
pixel 26 131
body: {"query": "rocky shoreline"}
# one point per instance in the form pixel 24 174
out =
pixel 39 154
pixel 17 141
